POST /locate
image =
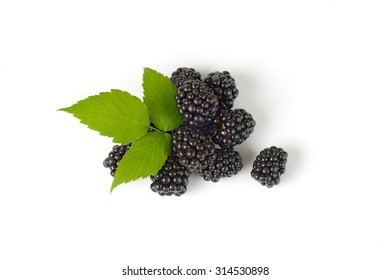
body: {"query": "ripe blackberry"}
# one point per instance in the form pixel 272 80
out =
pixel 224 87
pixel 183 74
pixel 196 102
pixel 226 163
pixel 171 179
pixel 116 154
pixel 233 127
pixel 192 147
pixel 269 165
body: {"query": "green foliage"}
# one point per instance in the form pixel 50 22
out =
pixel 125 118
pixel 116 114
pixel 159 96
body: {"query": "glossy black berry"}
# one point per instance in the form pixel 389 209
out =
pixel 172 179
pixel 183 74
pixel 269 165
pixel 196 102
pixel 224 87
pixel 233 127
pixel 116 154
pixel 225 163
pixel 192 147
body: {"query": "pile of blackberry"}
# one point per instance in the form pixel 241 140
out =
pixel 205 141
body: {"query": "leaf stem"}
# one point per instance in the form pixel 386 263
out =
pixel 152 127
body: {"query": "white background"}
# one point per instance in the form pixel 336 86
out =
pixel 315 76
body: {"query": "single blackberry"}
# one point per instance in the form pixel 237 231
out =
pixel 183 74
pixel 269 165
pixel 225 163
pixel 233 127
pixel 196 102
pixel 192 147
pixel 224 87
pixel 116 154
pixel 171 179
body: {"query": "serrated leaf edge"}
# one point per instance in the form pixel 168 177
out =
pixel 169 141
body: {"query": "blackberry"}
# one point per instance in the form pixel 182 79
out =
pixel 226 163
pixel 269 165
pixel 233 127
pixel 183 74
pixel 116 154
pixel 224 87
pixel 192 147
pixel 196 102
pixel 171 179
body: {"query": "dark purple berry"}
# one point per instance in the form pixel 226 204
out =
pixel 233 127
pixel 224 87
pixel 196 103
pixel 224 163
pixel 172 179
pixel 192 146
pixel 115 156
pixel 183 74
pixel 269 165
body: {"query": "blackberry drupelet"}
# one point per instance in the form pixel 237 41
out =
pixel 172 179
pixel 192 147
pixel 224 87
pixel 233 127
pixel 196 102
pixel 116 154
pixel 226 163
pixel 183 74
pixel 269 165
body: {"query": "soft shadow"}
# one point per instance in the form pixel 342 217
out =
pixel 294 162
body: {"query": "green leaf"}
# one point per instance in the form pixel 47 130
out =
pixel 159 96
pixel 116 114
pixel 145 157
